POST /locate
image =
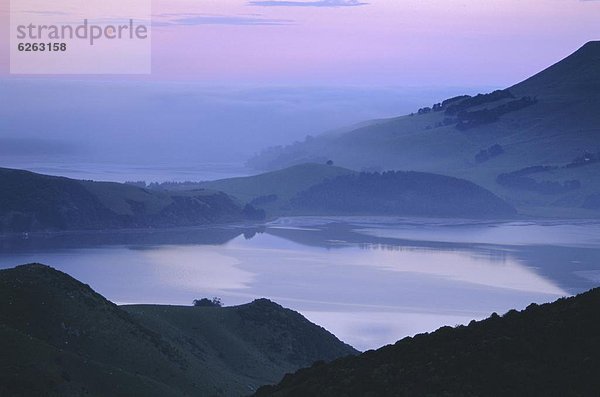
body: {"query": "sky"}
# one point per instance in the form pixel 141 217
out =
pixel 384 42
pixel 361 42
pixel 232 77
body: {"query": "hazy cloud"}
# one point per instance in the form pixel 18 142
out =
pixel 317 3
pixel 181 122
pixel 211 19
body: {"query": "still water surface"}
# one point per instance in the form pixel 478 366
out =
pixel 370 281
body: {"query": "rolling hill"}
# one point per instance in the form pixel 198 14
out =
pixel 401 194
pixel 547 125
pixel 547 350
pixel 35 202
pixel 270 191
pixel 274 190
pixel 319 189
pixel 59 337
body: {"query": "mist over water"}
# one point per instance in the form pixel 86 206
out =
pixel 370 281
pixel 86 126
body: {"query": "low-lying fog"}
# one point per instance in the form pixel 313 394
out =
pixel 47 123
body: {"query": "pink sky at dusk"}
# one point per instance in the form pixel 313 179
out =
pixel 384 42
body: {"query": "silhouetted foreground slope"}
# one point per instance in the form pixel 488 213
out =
pixel 59 337
pixel 547 350
pixel 32 202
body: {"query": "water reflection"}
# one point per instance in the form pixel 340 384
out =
pixel 496 269
pixel 192 269
pixel 365 280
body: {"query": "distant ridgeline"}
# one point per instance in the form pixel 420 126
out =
pixel 545 350
pixel 34 202
pixel 549 120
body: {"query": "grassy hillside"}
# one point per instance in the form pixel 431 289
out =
pixel 401 194
pixel 547 350
pixel 319 189
pixel 273 190
pixel 35 202
pixel 59 337
pixel 32 202
pixel 550 119
pixel 260 340
pixel 284 183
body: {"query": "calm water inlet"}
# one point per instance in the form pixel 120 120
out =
pixel 370 281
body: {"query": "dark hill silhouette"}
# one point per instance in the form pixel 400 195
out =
pixel 35 202
pixel 59 337
pixel 547 350
pixel 401 194
pixel 320 189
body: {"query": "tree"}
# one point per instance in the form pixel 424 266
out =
pixel 205 302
